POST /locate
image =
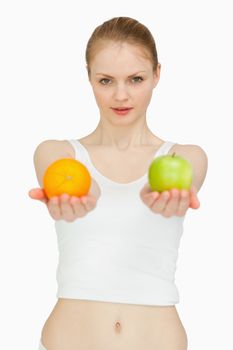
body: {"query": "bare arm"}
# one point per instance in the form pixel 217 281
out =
pixel 60 207
pixel 175 202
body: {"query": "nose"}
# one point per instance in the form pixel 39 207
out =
pixel 121 93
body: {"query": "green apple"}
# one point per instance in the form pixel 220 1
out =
pixel 170 171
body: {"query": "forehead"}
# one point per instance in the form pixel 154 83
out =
pixel 118 58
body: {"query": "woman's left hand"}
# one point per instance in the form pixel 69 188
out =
pixel 169 203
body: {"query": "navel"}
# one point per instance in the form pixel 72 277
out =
pixel 117 327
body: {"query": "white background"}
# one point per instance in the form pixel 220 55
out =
pixel 45 94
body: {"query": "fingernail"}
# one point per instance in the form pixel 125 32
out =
pixel 84 200
pixel 65 196
pixel 54 200
pixel 155 195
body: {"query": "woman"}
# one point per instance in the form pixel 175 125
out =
pixel 118 244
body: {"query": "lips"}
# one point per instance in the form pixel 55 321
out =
pixel 122 108
pixel 122 111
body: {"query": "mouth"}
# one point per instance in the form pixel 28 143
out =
pixel 122 110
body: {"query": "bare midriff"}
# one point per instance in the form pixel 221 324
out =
pixel 94 325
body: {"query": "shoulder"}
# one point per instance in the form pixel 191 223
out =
pixel 189 150
pixel 56 146
pixel 47 152
pixel 198 159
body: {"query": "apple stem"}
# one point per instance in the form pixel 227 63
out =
pixel 173 154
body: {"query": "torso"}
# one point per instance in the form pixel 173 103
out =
pixel 88 325
pixel 93 325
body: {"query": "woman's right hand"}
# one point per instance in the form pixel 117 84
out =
pixel 65 207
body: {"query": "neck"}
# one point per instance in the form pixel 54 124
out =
pixel 124 138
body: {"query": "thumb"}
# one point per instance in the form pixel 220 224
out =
pixel 38 194
pixel 194 201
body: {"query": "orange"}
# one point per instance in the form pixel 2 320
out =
pixel 66 175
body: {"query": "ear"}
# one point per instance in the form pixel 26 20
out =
pixel 88 72
pixel 156 75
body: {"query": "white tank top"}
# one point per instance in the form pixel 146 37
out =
pixel 121 251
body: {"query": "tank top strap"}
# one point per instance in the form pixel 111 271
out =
pixel 82 155
pixel 165 148
pixel 80 152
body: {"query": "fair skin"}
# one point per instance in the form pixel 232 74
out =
pixel 129 82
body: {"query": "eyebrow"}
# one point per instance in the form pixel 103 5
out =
pixel 109 76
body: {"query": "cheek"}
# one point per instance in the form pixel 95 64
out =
pixel 144 97
pixel 138 95
pixel 101 98
pixel 102 94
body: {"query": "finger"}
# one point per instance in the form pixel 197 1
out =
pixel 172 203
pixel 194 201
pixel 93 201
pixel 150 198
pixel 54 208
pixel 89 202
pixel 145 190
pixel 161 202
pixel 78 207
pixel 66 208
pixel 183 204
pixel 38 194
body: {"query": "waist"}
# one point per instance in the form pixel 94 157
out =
pixel 81 322
pixel 103 279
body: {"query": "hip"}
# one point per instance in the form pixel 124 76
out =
pixel 82 324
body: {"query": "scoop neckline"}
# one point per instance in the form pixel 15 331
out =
pixel 114 182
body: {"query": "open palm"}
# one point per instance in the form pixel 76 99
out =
pixel 169 203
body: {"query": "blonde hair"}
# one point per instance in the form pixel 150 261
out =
pixel 122 29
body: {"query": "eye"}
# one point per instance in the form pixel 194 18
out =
pixel 104 81
pixel 136 79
